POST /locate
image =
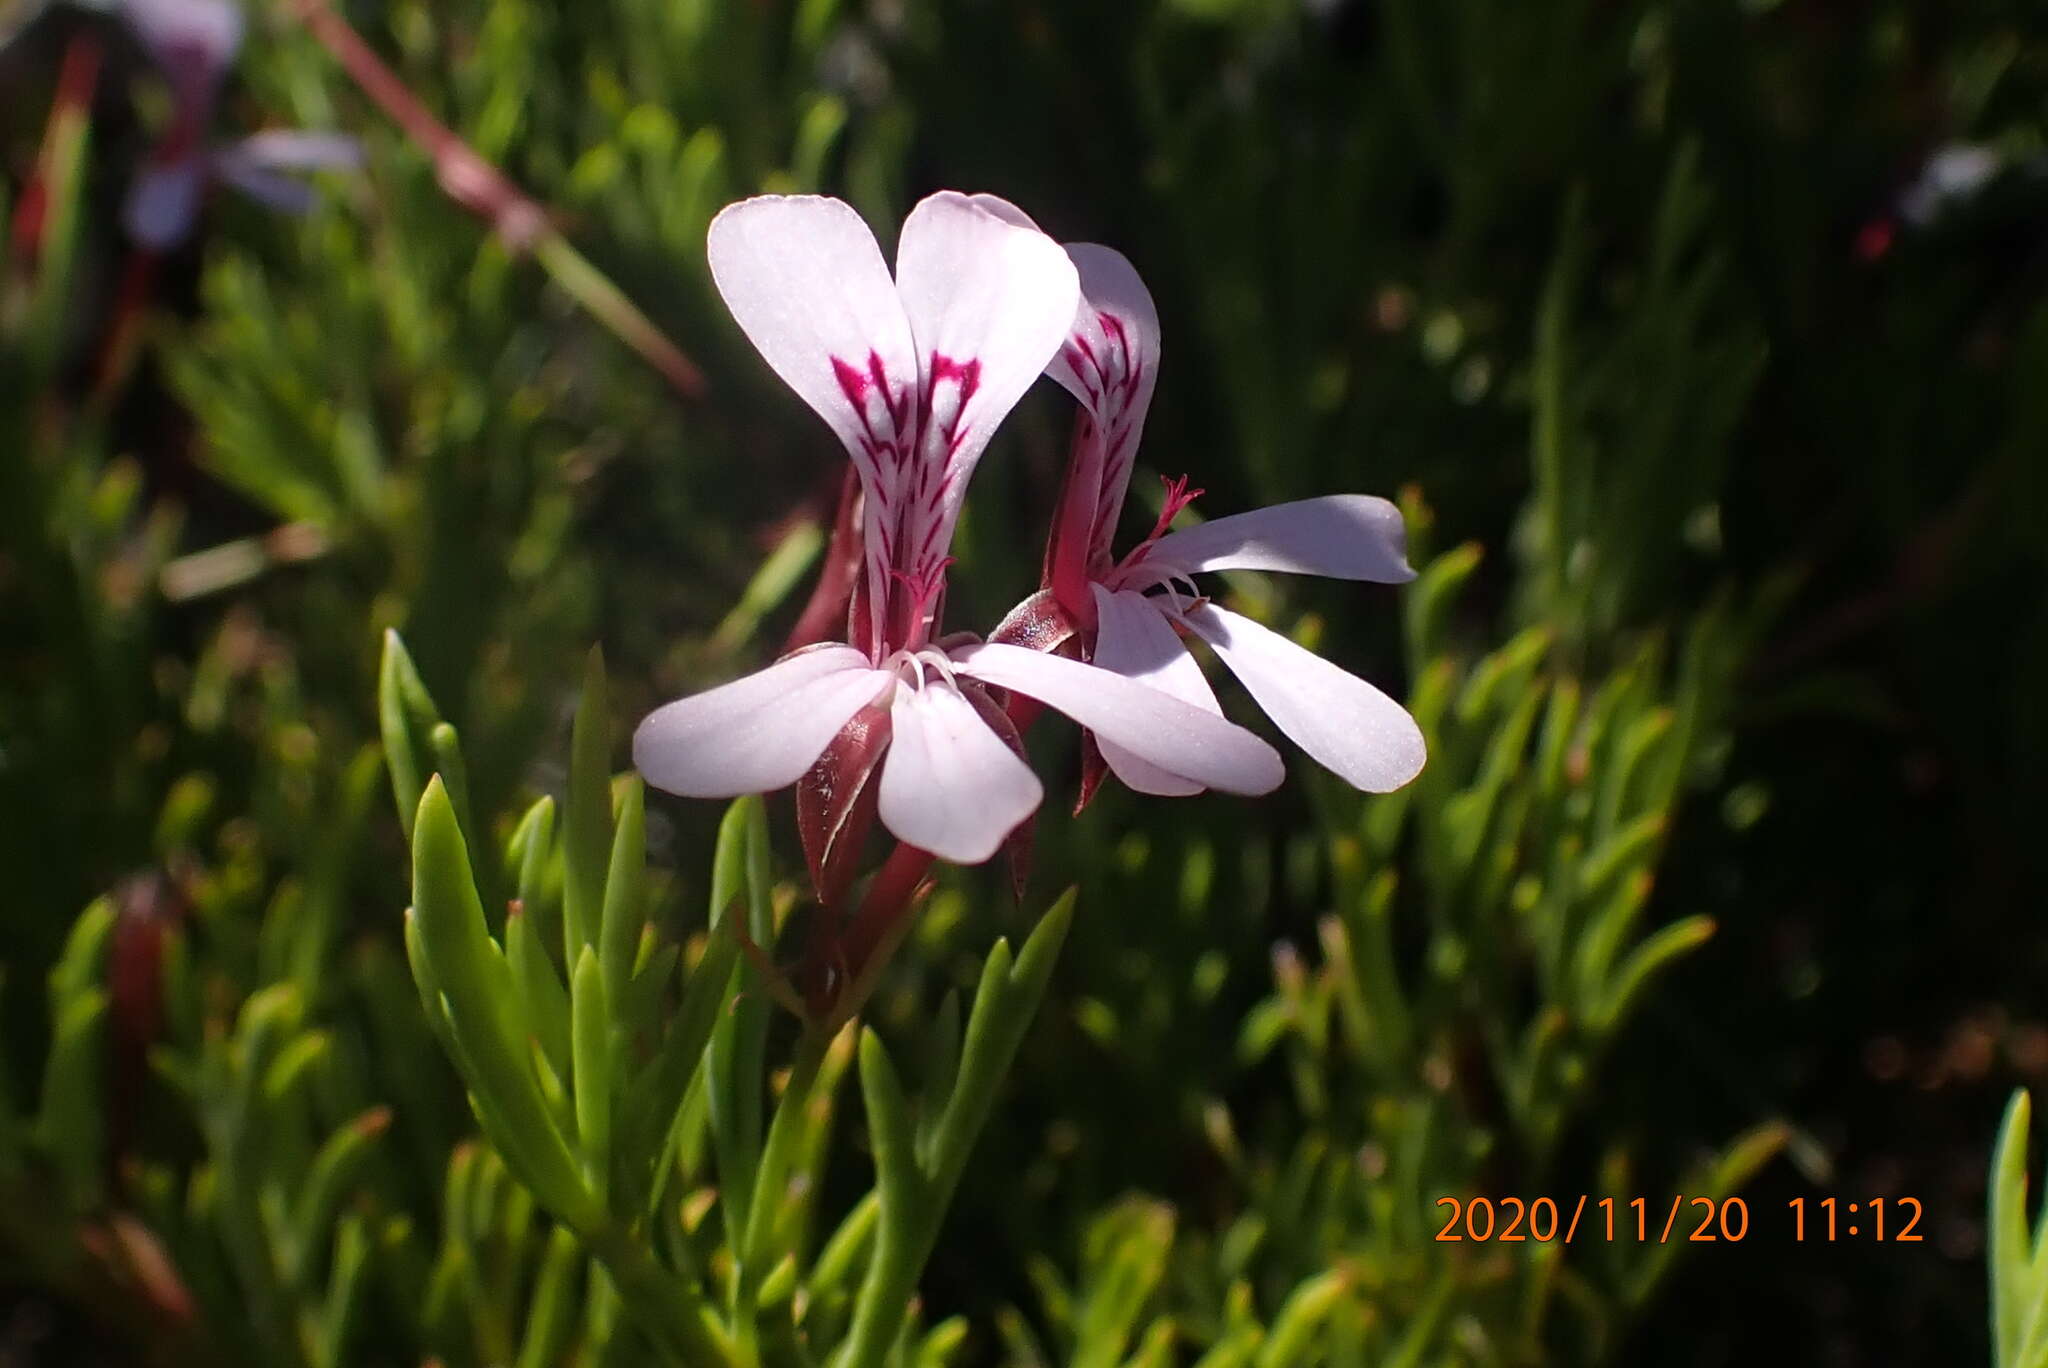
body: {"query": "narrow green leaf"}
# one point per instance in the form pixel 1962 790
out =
pixel 625 891
pixel 448 763
pixel 832 1274
pixel 737 1062
pixel 81 965
pixel 406 717
pixel 942 1068
pixel 1004 1006
pixel 906 1217
pixel 70 1125
pixel 591 1042
pixel 533 845
pixel 346 1289
pixel 1300 1322
pixel 654 970
pixel 543 1002
pixel 469 972
pixel 587 822
pixel 1668 946
pixel 551 1315
pixel 779 1151
pixel 776 580
pixel 943 1345
pixel 2013 1297
pixel 1426 603
pixel 336 1167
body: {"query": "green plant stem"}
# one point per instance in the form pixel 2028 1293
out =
pixel 908 1223
pixel 779 1153
pixel 669 1311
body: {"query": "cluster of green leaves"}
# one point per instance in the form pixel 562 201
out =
pixel 605 1098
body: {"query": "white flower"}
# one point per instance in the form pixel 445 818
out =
pixel 1140 606
pixel 913 374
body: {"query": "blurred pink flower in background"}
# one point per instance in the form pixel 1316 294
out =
pixel 194 44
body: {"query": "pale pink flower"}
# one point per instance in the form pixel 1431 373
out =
pixel 194 44
pixel 913 374
pixel 1135 610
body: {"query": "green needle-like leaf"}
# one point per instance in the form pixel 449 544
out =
pixel 2016 1297
pixel 469 971
pixel 624 891
pixel 406 716
pixel 591 1043
pixel 587 822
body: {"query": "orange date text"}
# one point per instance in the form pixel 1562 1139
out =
pixel 1541 1220
pixel 1658 1220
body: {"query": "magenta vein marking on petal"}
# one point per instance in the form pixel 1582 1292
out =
pixel 966 376
pixel 854 386
pixel 1070 351
pixel 1081 341
pixel 929 545
pixel 892 399
pixel 1113 328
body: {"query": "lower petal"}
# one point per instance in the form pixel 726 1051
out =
pixel 1135 640
pixel 758 733
pixel 1350 727
pixel 949 784
pixel 1158 728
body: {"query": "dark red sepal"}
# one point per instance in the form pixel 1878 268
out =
pixel 1094 769
pixel 835 803
pixel 1039 623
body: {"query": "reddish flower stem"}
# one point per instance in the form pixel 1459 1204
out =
pixel 77 79
pixel 124 330
pixel 894 890
pixel 889 897
pixel 824 615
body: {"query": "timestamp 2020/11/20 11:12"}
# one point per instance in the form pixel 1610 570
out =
pixel 1697 1219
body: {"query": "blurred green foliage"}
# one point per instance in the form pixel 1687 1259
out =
pixel 1731 481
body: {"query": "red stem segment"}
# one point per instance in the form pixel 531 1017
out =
pixel 77 79
pixel 486 191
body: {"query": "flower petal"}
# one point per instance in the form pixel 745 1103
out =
pixel 1350 727
pixel 807 285
pixel 194 41
pixel 760 732
pixel 1110 363
pixel 1134 639
pixel 1341 536
pixel 949 784
pixel 270 188
pixel 1156 727
pixel 254 164
pixel 163 203
pixel 1004 210
pixel 294 149
pixel 989 302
